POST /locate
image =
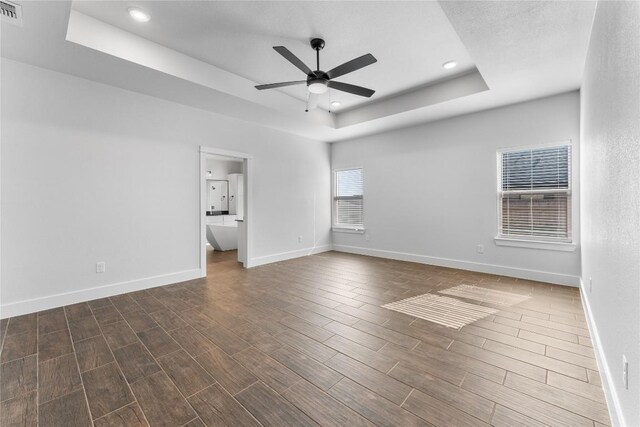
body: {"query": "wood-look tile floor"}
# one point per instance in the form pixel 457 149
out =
pixel 302 342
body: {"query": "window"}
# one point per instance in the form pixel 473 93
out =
pixel 347 199
pixel 534 194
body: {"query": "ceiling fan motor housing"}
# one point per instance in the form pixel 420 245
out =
pixel 317 82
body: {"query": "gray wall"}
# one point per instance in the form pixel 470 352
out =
pixel 430 191
pixel 95 173
pixel 611 198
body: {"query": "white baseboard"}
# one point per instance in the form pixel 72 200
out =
pixel 521 273
pixel 615 410
pixel 283 256
pixel 58 300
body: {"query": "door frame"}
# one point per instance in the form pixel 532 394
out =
pixel 248 206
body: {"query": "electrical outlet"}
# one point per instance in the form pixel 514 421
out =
pixel 590 284
pixel 625 372
pixel 480 249
pixel 367 237
pixel 101 267
pixel 299 239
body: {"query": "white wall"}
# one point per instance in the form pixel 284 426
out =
pixel 430 190
pixel 94 173
pixel 611 200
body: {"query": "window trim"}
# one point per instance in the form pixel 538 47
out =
pixel 536 242
pixel 345 228
pixel 348 230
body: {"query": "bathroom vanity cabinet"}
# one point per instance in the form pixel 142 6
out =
pixel 236 195
pixel 218 196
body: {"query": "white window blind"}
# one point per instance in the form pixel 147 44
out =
pixel 347 198
pixel 534 189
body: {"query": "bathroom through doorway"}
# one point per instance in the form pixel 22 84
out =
pixel 224 208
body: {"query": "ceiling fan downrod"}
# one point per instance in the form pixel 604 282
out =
pixel 317 45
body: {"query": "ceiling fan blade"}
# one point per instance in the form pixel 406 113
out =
pixel 353 65
pixel 276 85
pixel 356 90
pixel 293 59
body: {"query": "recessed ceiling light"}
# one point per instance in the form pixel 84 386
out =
pixel 335 103
pixel 139 14
pixel 449 65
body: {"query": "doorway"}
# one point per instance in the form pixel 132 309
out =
pixel 225 207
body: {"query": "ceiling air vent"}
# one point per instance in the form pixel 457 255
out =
pixel 11 12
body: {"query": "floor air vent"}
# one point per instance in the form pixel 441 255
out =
pixel 11 12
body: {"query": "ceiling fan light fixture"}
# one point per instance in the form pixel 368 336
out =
pixel 449 65
pixel 139 14
pixel 318 86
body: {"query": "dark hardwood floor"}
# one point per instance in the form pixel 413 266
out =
pixel 303 342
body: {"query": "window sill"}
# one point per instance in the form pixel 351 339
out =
pixel 352 230
pixel 535 244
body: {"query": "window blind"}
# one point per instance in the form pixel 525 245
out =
pixel 348 203
pixel 534 191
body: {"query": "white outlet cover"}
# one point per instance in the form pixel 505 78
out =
pixel 625 372
pixel 480 249
pixel 101 267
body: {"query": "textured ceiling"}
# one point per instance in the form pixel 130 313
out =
pixel 517 44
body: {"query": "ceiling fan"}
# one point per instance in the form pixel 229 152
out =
pixel 319 81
